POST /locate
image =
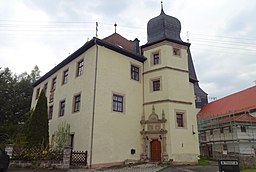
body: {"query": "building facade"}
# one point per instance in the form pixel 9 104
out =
pixel 126 102
pixel 227 127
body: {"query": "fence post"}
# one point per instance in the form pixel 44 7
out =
pixel 9 150
pixel 66 157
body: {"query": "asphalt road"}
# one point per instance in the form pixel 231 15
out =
pixel 191 169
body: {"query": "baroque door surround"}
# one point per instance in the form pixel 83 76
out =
pixel 153 129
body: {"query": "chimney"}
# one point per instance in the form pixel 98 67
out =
pixel 136 44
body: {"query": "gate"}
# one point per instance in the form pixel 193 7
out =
pixel 78 158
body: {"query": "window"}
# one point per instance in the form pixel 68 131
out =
pixel 176 51
pixel 135 73
pixel 62 108
pixel 225 147
pixel 80 68
pixel 118 103
pixel 229 129
pixel 243 128
pixel 50 112
pixel 65 77
pixel 72 140
pixel 156 85
pixel 37 93
pixel 54 84
pixel 45 87
pixel 77 102
pixel 221 130
pixel 211 132
pixel 156 58
pixel 180 119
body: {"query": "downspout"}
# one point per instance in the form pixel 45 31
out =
pixel 94 97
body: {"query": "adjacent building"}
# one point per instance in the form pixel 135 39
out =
pixel 227 127
pixel 128 102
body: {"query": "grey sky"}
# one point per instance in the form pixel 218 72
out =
pixel 222 34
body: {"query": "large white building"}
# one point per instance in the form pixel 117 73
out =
pixel 124 101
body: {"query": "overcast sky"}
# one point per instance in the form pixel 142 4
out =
pixel 222 34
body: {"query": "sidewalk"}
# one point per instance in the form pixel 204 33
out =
pixel 138 168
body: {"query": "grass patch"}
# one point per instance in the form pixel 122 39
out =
pixel 203 162
pixel 248 170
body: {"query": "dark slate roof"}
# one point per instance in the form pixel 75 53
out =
pixel 191 68
pixel 162 27
pixel 84 48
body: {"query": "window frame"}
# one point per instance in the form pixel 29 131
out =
pixel 65 77
pixel 180 120
pixel 135 72
pixel 76 103
pixel 50 112
pixel 45 87
pixel 184 120
pixel 118 105
pixel 155 87
pixel 62 108
pixel 80 68
pixel 37 93
pixel 155 58
pixel 176 51
pixel 54 83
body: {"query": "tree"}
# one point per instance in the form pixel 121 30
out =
pixel 16 94
pixel 35 74
pixel 62 136
pixel 38 127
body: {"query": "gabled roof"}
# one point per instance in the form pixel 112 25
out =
pixel 118 40
pixel 84 48
pixel 234 103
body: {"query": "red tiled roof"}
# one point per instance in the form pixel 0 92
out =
pixel 234 103
pixel 120 41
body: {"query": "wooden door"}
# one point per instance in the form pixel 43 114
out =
pixel 155 146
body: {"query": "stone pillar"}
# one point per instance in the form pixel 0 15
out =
pixel 67 157
pixel 9 150
pixel 165 155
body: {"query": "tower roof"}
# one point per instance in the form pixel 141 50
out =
pixel 163 27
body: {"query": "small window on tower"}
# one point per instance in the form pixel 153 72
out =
pixel 155 58
pixel 176 52
pixel 156 84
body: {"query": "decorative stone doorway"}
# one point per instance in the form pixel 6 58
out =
pixel 155 147
pixel 154 137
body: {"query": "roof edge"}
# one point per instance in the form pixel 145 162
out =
pixel 81 50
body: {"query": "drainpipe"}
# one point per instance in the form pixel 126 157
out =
pixel 94 97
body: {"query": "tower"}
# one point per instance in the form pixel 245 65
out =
pixel 169 127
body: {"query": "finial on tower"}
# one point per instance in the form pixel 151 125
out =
pixel 115 26
pixel 162 8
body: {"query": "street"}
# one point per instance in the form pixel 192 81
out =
pixel 191 169
pixel 169 169
pixel 33 170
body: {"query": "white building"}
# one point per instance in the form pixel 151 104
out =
pixel 124 101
